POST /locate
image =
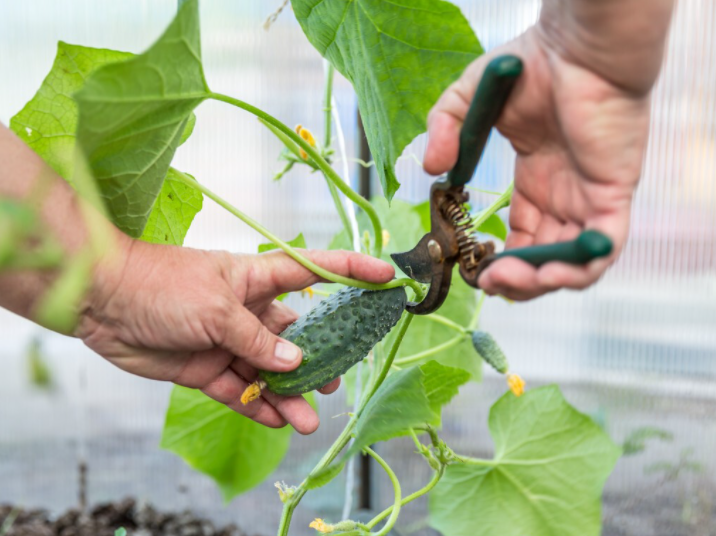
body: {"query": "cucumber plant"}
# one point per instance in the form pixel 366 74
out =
pixel 128 114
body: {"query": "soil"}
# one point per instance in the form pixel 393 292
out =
pixel 104 519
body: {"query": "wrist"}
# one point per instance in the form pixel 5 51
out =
pixel 622 41
pixel 110 270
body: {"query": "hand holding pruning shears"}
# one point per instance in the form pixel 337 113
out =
pixel 580 136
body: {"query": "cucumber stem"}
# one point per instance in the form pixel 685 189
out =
pixel 420 356
pixel 320 162
pixel 439 319
pixel 325 274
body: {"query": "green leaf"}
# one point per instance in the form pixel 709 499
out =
pixel 235 451
pixel 48 123
pixel 133 115
pixel 120 532
pixel 173 211
pixel 318 479
pixel 298 242
pixel 408 398
pixel 546 478
pixel 400 55
pixel 494 226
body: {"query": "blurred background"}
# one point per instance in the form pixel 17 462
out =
pixel 636 351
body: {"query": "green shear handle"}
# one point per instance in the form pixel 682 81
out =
pixel 495 87
pixel 588 246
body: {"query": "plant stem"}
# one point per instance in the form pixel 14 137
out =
pixel 478 309
pixel 395 509
pixel 320 162
pixel 327 96
pixel 446 322
pixel 325 274
pixel 327 122
pixel 403 326
pixel 498 204
pixel 415 358
pixel 422 491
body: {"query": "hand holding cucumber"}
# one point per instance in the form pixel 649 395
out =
pixel 209 320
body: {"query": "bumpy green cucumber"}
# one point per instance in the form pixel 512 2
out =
pixel 335 335
pixel 490 351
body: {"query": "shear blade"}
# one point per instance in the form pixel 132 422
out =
pixel 416 263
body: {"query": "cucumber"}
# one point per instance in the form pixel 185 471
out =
pixel 490 352
pixel 335 335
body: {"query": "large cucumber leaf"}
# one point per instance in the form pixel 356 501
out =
pixel 546 478
pixel 133 115
pixel 48 124
pixel 407 399
pixel 235 451
pixel 400 55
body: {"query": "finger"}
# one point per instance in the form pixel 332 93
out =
pixel 549 230
pixel 448 114
pixel 246 337
pixel 519 281
pixel 278 273
pixel 296 410
pixel 444 124
pixel 510 277
pixel 228 388
pixel 331 387
pixel 558 275
pixel 200 368
pixel 277 317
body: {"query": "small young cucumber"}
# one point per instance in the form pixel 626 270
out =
pixel 335 335
pixel 490 352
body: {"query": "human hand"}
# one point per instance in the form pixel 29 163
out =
pixel 209 320
pixel 580 140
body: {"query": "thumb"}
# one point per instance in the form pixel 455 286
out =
pixel 247 338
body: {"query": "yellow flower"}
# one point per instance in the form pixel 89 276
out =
pixel 252 392
pixel 306 135
pixel 386 237
pixel 307 290
pixel 321 526
pixel 516 384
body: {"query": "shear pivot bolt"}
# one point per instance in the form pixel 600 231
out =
pixel 435 251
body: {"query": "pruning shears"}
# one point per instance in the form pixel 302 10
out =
pixel 450 240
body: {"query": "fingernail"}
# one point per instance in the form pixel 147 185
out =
pixel 286 352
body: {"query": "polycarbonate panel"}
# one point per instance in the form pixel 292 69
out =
pixel 636 350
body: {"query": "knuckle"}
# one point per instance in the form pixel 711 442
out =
pixel 261 343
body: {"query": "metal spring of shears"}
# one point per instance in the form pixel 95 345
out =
pixel 458 214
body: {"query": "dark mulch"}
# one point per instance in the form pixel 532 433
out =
pixel 104 519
